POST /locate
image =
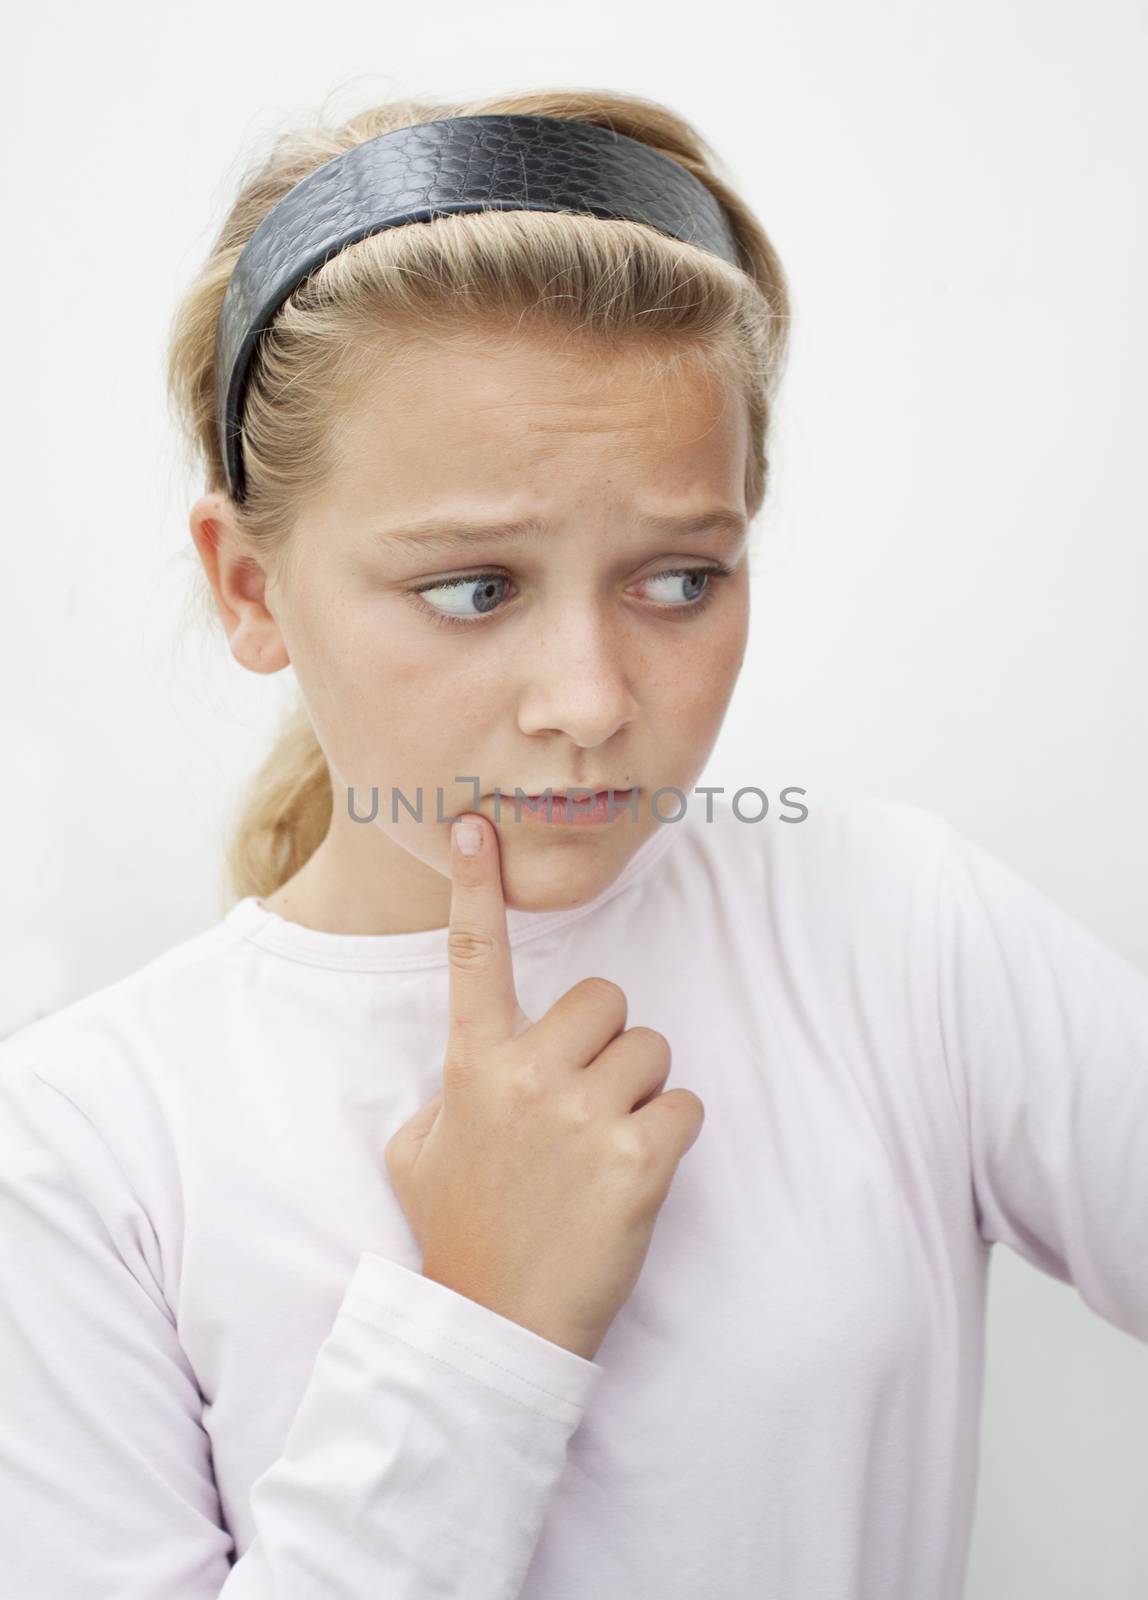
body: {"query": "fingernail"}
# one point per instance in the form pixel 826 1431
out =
pixel 469 836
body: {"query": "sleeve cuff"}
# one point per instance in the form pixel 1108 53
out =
pixel 492 1349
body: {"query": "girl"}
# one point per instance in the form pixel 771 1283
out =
pixel 356 1247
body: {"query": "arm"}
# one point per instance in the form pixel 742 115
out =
pixel 420 1461
pixel 1046 1037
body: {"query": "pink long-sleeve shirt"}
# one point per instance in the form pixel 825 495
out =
pixel 223 1374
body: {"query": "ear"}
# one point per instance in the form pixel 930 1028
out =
pixel 239 583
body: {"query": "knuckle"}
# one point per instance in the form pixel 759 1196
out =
pixel 469 948
pixel 638 1148
pixel 653 1043
pixel 605 989
pixel 696 1103
pixel 580 1112
pixel 524 1082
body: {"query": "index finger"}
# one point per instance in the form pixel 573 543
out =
pixel 484 1007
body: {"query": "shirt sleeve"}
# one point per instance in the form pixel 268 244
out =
pixel 419 1463
pixel 1045 1030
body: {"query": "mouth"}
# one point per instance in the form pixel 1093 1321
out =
pixel 604 806
pixel 582 790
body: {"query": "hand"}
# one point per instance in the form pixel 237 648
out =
pixel 532 1180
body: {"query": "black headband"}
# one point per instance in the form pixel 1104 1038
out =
pixel 501 163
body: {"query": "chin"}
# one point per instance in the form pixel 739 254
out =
pixel 556 881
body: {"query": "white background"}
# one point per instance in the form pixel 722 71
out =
pixel 949 599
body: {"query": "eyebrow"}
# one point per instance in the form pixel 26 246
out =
pixel 443 534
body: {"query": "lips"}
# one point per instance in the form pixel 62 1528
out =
pixel 582 788
pixel 579 810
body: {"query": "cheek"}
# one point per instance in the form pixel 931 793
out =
pixel 731 644
pixel 418 714
pixel 699 680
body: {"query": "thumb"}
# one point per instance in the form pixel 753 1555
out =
pixel 405 1144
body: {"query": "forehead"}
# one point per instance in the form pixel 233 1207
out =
pixel 481 410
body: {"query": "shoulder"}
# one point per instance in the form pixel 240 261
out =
pixel 851 886
pixel 106 1054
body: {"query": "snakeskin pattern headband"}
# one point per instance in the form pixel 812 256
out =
pixel 501 162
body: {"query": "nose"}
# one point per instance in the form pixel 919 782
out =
pixel 576 680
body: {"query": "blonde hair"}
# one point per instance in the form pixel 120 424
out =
pixel 553 272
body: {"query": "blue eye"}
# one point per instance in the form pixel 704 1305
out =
pixel 695 578
pixel 487 598
pixel 490 589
